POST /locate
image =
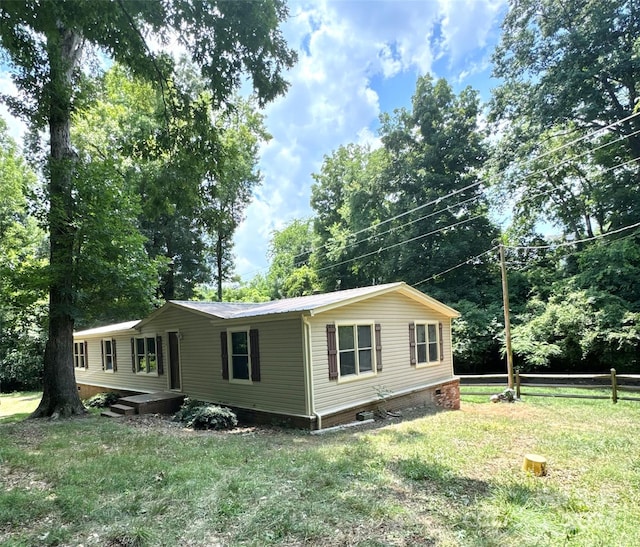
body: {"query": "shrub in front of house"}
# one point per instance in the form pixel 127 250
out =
pixel 102 400
pixel 199 415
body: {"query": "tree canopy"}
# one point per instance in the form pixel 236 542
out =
pixel 44 42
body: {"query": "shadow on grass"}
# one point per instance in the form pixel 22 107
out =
pixel 14 418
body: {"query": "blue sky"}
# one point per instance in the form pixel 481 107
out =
pixel 357 59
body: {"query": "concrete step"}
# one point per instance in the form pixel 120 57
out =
pixel 109 414
pixel 124 410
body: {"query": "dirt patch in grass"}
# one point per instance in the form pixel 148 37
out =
pixel 11 479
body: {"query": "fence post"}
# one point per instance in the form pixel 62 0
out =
pixel 614 386
pixel 517 383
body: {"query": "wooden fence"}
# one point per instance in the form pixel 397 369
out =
pixel 616 383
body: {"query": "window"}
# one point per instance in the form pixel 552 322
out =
pixel 355 353
pixel 351 350
pixel 240 355
pixel 425 342
pixel 147 355
pixel 108 348
pixel 80 355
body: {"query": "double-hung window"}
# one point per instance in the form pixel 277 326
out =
pixel 355 350
pixel 240 355
pixel 145 355
pixel 80 354
pixel 240 369
pixel 425 342
pixel 108 348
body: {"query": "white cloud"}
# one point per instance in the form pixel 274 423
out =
pixel 342 46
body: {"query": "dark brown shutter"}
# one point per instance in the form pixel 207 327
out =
pixel 332 352
pixel 412 343
pixel 133 355
pixel 254 348
pixel 225 355
pixel 86 355
pixel 102 352
pixel 113 355
pixel 159 355
pixel 441 340
pixel 378 348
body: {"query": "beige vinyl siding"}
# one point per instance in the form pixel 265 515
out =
pixel 281 387
pixel 196 349
pixel 123 378
pixel 393 312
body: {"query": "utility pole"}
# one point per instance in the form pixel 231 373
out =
pixel 507 320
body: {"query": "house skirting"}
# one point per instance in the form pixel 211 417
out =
pixel 86 391
pixel 445 395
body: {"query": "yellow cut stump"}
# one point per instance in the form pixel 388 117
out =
pixel 536 464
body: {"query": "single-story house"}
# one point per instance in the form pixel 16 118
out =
pixel 311 362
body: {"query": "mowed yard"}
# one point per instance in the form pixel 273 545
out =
pixel 430 478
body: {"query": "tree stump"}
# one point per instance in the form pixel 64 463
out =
pixel 535 464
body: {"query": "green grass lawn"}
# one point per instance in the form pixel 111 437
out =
pixel 444 478
pixel 16 406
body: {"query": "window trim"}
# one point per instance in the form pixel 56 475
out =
pixel 230 331
pixel 76 356
pixel 135 355
pixel 437 342
pixel 343 379
pixel 103 352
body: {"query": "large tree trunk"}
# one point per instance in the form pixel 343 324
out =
pixel 219 265
pixel 60 396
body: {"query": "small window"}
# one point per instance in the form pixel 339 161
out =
pixel 355 350
pixel 79 355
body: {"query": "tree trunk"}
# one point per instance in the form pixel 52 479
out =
pixel 60 394
pixel 219 265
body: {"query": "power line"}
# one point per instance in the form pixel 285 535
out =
pixel 393 229
pixel 397 244
pixel 587 136
pixel 435 276
pixel 455 192
pixel 568 243
pixel 570 159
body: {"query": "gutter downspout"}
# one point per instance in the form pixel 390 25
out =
pixel 308 373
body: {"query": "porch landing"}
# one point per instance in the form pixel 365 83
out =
pixel 162 402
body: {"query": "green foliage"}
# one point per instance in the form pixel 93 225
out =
pixel 569 69
pixel 381 215
pixel 589 322
pixel 23 305
pixel 290 250
pixel 213 417
pixel 102 400
pixel 477 336
pixel 42 45
pixel 199 415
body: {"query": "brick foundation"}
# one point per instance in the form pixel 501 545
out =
pixel 448 395
pixel 445 396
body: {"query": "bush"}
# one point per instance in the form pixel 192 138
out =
pixel 188 410
pixel 199 415
pixel 102 400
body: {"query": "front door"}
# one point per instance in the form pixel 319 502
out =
pixel 174 361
